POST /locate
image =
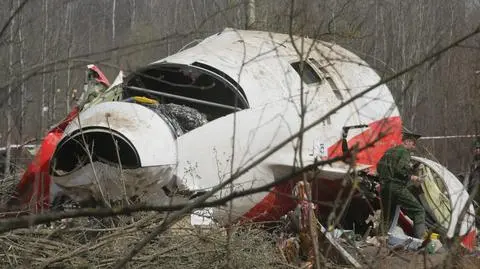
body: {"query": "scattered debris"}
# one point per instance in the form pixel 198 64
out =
pixel 310 236
pixel 373 241
pixel 343 253
pixel 398 240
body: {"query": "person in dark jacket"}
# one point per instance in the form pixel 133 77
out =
pixel 395 172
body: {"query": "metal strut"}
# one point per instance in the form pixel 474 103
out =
pixel 183 98
pixel 345 130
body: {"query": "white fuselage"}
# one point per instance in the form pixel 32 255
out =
pixel 261 64
pixel 277 105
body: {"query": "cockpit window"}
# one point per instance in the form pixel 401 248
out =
pixel 197 86
pixel 308 75
pixel 328 78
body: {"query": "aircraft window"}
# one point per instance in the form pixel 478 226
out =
pixel 328 78
pixel 309 74
pixel 208 91
pixel 336 91
pixel 225 76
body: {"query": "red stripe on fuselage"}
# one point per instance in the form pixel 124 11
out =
pixel 385 133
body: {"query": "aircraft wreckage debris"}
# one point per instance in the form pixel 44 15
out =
pixel 198 117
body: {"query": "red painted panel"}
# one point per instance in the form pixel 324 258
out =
pixel 101 77
pixel 384 133
pixel 469 241
pixel 33 191
pixel 277 203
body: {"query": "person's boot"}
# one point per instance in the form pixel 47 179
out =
pixel 419 231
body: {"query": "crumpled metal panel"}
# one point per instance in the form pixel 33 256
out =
pixel 104 182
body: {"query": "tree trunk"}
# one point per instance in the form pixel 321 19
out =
pixel 250 14
pixel 68 91
pixel 133 14
pixel 53 107
pixel 194 15
pixel 115 52
pixel 43 107
pixel 9 98
pixel 22 82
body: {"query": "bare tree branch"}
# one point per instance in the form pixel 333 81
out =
pixel 12 16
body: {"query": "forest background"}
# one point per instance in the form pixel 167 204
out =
pixel 46 46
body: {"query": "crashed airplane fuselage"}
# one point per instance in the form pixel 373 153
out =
pixel 191 120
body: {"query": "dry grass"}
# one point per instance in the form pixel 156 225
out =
pixel 94 243
pixel 468 263
pixel 7 186
pixel 99 244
